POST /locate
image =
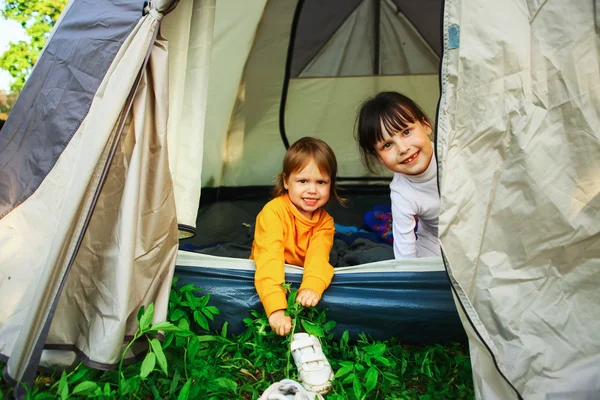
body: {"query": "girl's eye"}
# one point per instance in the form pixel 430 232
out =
pixel 387 145
pixel 406 132
pixel 322 182
pixel 303 181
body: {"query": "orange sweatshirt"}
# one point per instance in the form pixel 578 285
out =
pixel 281 235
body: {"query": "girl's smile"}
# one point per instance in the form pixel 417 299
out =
pixel 410 160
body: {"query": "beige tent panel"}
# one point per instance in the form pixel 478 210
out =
pixel 519 149
pixel 107 283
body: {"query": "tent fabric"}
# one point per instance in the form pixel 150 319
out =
pixel 519 155
pixel 190 30
pixel 408 299
pixel 54 105
pixel 107 202
pixel 374 39
pixel 324 107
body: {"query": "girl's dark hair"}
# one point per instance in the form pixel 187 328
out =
pixel 299 155
pixel 392 109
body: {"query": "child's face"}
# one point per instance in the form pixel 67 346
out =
pixel 308 189
pixel 408 151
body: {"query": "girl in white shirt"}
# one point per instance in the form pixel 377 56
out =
pixel 392 130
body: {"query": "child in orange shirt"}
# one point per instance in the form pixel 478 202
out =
pixel 293 228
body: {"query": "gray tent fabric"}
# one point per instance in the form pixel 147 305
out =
pixel 59 96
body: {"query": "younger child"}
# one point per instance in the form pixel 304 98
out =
pixel 293 228
pixel 393 130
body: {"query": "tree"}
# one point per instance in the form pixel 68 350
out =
pixel 7 100
pixel 37 17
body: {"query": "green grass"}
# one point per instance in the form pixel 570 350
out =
pixel 193 363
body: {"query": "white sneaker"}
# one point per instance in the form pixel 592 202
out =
pixel 288 389
pixel 314 371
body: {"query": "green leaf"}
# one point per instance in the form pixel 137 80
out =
pixel 160 355
pixel 174 382
pixel 224 329
pixel 208 314
pixel 404 365
pixel 85 387
pixel 312 329
pixel 107 392
pixel 168 340
pixel 185 391
pixel 383 360
pixel 357 388
pixel 190 287
pixel 328 327
pixel 200 320
pixel 345 339
pixel 371 378
pixel 213 310
pixel 203 301
pixel 63 386
pixel 377 349
pixel 140 313
pixel 391 377
pixel 207 338
pixel 191 300
pixel 193 347
pixel 146 318
pixel 228 384
pixel 292 298
pixel 164 326
pixel 183 325
pixel 343 371
pixel 176 315
pixel 349 378
pixel 80 373
pixel 148 365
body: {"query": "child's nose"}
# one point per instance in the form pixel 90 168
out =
pixel 403 146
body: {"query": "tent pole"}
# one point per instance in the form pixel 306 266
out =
pixel 377 36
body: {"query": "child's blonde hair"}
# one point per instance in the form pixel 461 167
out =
pixel 299 155
pixel 392 110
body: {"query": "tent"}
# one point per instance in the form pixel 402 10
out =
pixel 121 127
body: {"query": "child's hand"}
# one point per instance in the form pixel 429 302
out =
pixel 280 323
pixel 308 298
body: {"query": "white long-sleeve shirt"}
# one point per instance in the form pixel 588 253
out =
pixel 416 195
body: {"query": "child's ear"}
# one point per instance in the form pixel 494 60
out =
pixel 428 128
pixel 284 179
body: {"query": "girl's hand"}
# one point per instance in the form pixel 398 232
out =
pixel 280 323
pixel 308 298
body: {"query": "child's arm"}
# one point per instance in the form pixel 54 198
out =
pixel 268 253
pixel 403 223
pixel 317 270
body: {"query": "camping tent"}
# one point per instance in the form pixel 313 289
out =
pixel 98 169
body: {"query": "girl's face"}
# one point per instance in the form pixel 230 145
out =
pixel 308 189
pixel 407 152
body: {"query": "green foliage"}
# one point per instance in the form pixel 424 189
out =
pixel 37 17
pixel 192 362
pixel 7 100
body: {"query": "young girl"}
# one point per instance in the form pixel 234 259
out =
pixel 293 228
pixel 394 131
